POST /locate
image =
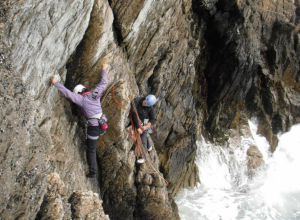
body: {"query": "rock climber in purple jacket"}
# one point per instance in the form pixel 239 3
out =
pixel 89 102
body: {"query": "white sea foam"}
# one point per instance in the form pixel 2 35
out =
pixel 227 193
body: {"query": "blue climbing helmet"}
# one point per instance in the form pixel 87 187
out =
pixel 150 100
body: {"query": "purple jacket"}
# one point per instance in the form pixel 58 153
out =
pixel 89 106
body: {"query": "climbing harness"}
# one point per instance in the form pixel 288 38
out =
pixel 98 116
pixel 148 130
pixel 101 121
pixel 103 126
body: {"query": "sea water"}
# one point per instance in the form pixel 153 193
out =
pixel 227 192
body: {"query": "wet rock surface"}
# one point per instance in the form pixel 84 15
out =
pixel 212 65
pixel 255 159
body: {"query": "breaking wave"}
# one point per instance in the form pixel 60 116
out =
pixel 227 192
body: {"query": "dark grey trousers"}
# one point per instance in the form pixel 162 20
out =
pixel 93 133
pixel 145 141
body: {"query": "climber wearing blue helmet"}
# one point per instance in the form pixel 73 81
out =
pixel 146 114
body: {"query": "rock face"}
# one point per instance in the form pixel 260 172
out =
pixel 154 56
pixel 255 159
pixel 212 64
pixel 86 205
pixel 52 206
pixel 80 205
pixel 39 135
pixel 253 63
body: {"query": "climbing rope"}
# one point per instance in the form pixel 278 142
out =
pixel 107 91
pixel 140 151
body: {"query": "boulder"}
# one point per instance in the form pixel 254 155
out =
pixel 87 205
pixel 255 160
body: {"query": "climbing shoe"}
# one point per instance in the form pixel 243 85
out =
pixel 141 160
pixel 91 175
pixel 150 148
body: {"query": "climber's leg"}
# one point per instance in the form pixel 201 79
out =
pixel 91 150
